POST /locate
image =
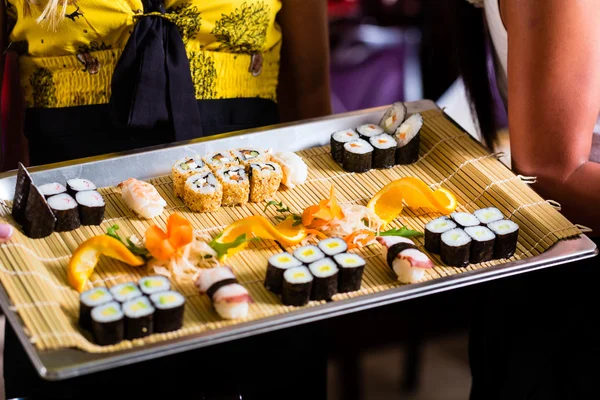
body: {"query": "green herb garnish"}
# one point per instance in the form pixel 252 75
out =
pixel 404 232
pixel 138 251
pixel 223 248
pixel 283 209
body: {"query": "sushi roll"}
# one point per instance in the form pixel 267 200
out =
pixel 337 141
pixel 507 235
pixel 358 156
pixel 170 306
pixel 203 192
pixel 276 267
pixel 297 286
pixel 333 246
pixel 52 189
pixel 464 219
pixel 265 179
pixel 408 137
pixel 154 284
pixel 455 248
pixel 351 267
pixel 236 186
pixel 91 207
pixel 393 117
pixel 39 218
pixel 66 211
pixel 295 170
pixel 125 292
pixel 384 153
pixel 367 131
pixel 19 206
pixel 220 159
pixel 433 233
pixel 488 215
pixel 248 155
pixel 308 254
pixel 87 301
pixel 107 323
pixel 405 259
pixel 482 244
pixel 142 198
pixel 79 185
pixel 183 169
pixel 139 316
pixel 325 284
pixel 230 299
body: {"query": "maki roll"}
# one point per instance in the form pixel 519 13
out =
pixel 325 284
pixel 393 117
pixel 464 219
pixel 125 292
pixel 107 323
pixel 482 245
pixel 337 141
pixel 276 267
pixel 91 207
pixel 488 215
pixel 220 159
pixel 408 137
pixel 154 284
pixel 351 267
pixel 203 193
pixel 230 299
pixel 433 233
pixel 297 286
pixel 367 131
pixel 79 185
pixel 507 235
pixel 87 301
pixel 183 169
pixel 24 182
pixel 358 156
pixel 333 246
pixel 52 189
pixel 236 186
pixel 295 170
pixel 139 315
pixel 39 218
pixel 384 154
pixel 66 212
pixel 455 248
pixel 248 155
pixel 265 179
pixel 142 197
pixel 168 315
pixel 308 254
pixel 405 259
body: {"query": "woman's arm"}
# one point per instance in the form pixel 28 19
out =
pixel 554 99
pixel 303 90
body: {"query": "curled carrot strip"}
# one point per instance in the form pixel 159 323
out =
pixel 164 245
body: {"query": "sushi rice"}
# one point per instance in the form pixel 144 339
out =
pixel 154 284
pixel 368 131
pixel 183 169
pixel 308 254
pixel 393 117
pixel 408 130
pixel 203 192
pixel 488 215
pixel 333 246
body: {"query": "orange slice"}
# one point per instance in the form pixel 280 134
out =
pixel 258 226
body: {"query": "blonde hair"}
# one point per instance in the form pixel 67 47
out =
pixel 53 12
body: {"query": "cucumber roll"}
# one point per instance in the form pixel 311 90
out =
pixel 297 286
pixel 91 207
pixel 169 311
pixel 464 219
pixel 87 301
pixel 333 246
pixel 351 267
pixel 250 155
pixel 455 248
pixel 393 117
pixel 66 211
pixel 24 182
pixel 39 218
pixel 408 137
pixel 384 154
pixel 107 323
pixel 79 185
pixel 265 179
pixel 482 245
pixel 308 254
pixel 203 193
pixel 358 156
pixel 276 267
pixel 52 189
pixel 488 215
pixel 183 169
pixel 154 284
pixel 125 292
pixel 433 233
pixel 337 141
pixel 367 131
pixel 220 159
pixel 507 235
pixel 325 284
pixel 236 186
pixel 139 315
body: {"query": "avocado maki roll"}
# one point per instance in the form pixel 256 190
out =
pixel 169 311
pixel 507 235
pixel 408 137
pixel 464 219
pixel 384 154
pixel 308 254
pixel 24 182
pixel 87 301
pixel 482 244
pixel 433 233
pixel 91 207
pixel 358 156
pixel 154 284
pixel 75 186
pixel 333 246
pixel 39 218
pixel 351 267
pixel 337 141
pixel 325 284
pixel 125 292
pixel 488 215
pixel 455 248
pixel 139 315
pixel 107 323
pixel 276 267
pixel 297 286
pixel 52 189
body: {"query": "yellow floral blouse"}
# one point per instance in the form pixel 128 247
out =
pixel 233 47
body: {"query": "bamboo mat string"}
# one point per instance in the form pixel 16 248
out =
pixel 16 307
pixel 576 226
pixel 461 166
pixel 33 273
pixel 34 254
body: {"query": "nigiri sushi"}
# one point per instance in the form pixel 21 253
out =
pixel 405 259
pixel 142 198
pixel 295 170
pixel 229 298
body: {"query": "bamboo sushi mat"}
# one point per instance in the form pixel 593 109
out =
pixel 33 272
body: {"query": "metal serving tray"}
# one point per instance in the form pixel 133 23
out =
pixel 151 162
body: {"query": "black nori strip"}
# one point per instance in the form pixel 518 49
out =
pixel 85 316
pixel 409 153
pixel 106 333
pixel 455 256
pixel 24 182
pixel 274 278
pixel 324 288
pixel 139 327
pixel 218 285
pixel 39 218
pixel 481 251
pixel 337 150
pixel 66 220
pixel 396 249
pixel 506 245
pixel 349 279
pixel 355 162
pixel 91 215
pixel 296 294
pixel 168 320
pixel 384 158
pixel 433 241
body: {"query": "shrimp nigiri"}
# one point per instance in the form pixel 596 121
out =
pixel 142 198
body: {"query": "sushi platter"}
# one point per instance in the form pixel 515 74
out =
pixel 127 257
